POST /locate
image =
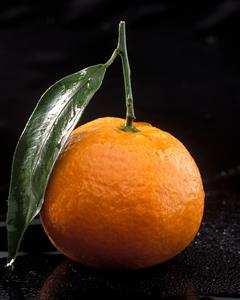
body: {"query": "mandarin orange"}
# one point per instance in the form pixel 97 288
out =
pixel 119 199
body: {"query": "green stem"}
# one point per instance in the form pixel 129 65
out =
pixel 121 50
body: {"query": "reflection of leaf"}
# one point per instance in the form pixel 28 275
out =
pixel 44 136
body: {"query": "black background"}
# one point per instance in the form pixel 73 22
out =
pixel 185 65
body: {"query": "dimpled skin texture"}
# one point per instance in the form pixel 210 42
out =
pixel 122 200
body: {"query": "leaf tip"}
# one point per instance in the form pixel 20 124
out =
pixel 10 263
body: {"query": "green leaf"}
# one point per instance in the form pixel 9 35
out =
pixel 55 116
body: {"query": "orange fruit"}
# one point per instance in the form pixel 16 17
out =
pixel 125 200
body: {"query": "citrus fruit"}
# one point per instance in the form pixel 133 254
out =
pixel 119 199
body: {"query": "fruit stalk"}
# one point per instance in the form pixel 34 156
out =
pixel 121 50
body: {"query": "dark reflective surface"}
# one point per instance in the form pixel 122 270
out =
pixel 39 278
pixel 72 280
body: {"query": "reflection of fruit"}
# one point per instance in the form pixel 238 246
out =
pixel 70 280
pixel 120 199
